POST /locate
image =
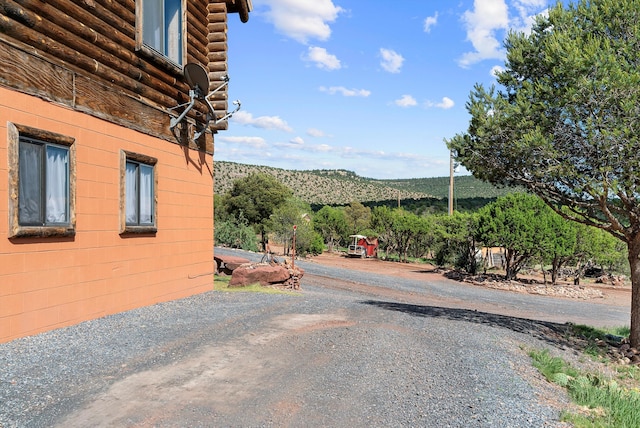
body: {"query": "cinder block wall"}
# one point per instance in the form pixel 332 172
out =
pixel 48 283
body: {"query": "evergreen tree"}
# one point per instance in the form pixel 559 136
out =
pixel 565 125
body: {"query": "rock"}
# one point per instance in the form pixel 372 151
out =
pixel 614 339
pixel 227 264
pixel 265 274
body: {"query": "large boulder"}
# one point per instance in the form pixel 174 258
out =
pixel 227 264
pixel 266 274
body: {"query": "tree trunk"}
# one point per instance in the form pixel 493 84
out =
pixel 263 239
pixel 634 264
pixel 555 267
pixel 509 265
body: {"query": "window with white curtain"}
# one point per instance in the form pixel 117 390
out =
pixel 43 183
pixel 138 193
pixel 162 30
pixel 42 177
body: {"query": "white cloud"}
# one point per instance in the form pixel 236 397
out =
pixel 406 101
pixel 313 132
pixel 487 17
pixel 302 19
pixel 527 11
pixel 255 142
pixel 446 103
pixel 322 148
pixel 495 70
pixel 265 122
pixel 322 59
pixel 429 22
pixel 345 92
pixel 488 22
pixel 391 60
pixel 297 141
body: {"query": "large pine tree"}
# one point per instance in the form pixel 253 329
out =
pixel 565 122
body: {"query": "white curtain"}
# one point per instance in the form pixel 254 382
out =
pixel 146 194
pixel 152 24
pixel 30 183
pixel 173 29
pixel 57 185
pixel 131 193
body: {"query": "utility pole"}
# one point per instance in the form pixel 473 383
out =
pixel 450 183
pixel 293 252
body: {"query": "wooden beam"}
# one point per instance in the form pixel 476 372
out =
pixel 106 15
pixel 219 7
pixel 32 75
pixel 124 13
pixel 88 56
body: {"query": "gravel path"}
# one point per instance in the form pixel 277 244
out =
pixel 327 356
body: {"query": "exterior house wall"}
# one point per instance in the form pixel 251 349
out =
pixel 47 283
pixel 76 69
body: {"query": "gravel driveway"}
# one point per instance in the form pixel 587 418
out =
pixel 383 353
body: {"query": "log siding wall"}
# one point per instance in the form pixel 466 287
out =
pixel 82 54
pixel 75 71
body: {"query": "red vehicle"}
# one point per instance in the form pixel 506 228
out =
pixel 363 247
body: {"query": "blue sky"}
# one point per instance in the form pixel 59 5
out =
pixel 373 86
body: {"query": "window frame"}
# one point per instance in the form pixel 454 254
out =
pixel 126 228
pixel 14 134
pixel 157 55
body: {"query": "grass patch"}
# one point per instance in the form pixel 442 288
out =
pixel 596 341
pixel 393 257
pixel 603 402
pixel 593 333
pixel 221 283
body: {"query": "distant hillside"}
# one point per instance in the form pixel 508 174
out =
pixel 340 187
pixel 465 186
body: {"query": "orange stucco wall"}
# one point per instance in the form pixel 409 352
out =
pixel 47 283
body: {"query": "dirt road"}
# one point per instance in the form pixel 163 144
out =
pixel 386 345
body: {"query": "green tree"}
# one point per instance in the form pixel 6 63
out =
pixel 424 242
pixel 595 246
pixel 559 241
pixel 382 222
pixel 291 212
pixel 517 223
pixel 235 233
pixel 256 196
pixel 455 238
pixel 308 241
pixel 358 216
pixel 331 224
pixel 220 213
pixel 565 125
pixel 406 226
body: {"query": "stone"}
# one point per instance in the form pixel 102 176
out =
pixel 264 274
pixel 227 264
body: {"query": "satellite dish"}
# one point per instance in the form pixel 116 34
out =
pixel 197 78
pixel 196 75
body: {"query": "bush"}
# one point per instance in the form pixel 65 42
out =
pixel 236 234
pixel 317 244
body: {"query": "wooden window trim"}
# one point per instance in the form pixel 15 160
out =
pixel 150 53
pixel 127 229
pixel 14 131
